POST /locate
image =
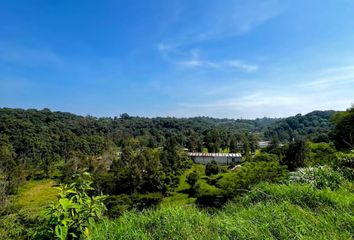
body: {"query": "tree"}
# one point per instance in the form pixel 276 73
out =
pixel 344 130
pixel 192 178
pixel 194 142
pixel 3 191
pixel 212 168
pixel 233 145
pixel 8 166
pixel 213 140
pixel 265 157
pixel 295 155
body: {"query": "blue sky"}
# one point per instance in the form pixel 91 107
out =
pixel 236 59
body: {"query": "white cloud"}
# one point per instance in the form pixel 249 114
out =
pixel 332 77
pixel 194 60
pixel 217 20
pixel 242 66
pixel 267 103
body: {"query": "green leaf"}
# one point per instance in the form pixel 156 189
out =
pixel 65 203
pixel 61 232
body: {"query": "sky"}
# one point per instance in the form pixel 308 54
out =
pixel 229 58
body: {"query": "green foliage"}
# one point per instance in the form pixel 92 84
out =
pixel 295 155
pixel 9 168
pixel 313 126
pixel 319 154
pixel 343 133
pixel 318 177
pixel 250 174
pixel 267 212
pixel 11 227
pixel 344 162
pixel 302 195
pixel 192 178
pixel 33 197
pixel 212 168
pixel 75 211
pixel 118 204
pixel 265 157
pixel 181 194
pixel 145 201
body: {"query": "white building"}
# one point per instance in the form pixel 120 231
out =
pixel 263 144
pixel 221 158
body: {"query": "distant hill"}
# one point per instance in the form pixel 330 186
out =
pixel 315 126
pixel 36 132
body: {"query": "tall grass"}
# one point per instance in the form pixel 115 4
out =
pixel 268 212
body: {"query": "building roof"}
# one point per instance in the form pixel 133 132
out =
pixel 198 154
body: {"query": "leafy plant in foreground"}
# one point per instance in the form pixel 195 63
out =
pixel 75 211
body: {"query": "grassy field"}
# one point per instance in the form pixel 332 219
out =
pixel 27 209
pixel 34 196
pixel 270 211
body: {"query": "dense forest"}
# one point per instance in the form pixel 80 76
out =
pixel 34 133
pixel 127 164
pixel 315 126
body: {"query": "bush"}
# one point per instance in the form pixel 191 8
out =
pixel 319 154
pixel 213 200
pixel 11 227
pixel 265 157
pixel 74 212
pixel 344 162
pixel 118 204
pixel 212 168
pixel 249 174
pixel 318 177
pixel 192 178
pixel 144 201
pixel 295 155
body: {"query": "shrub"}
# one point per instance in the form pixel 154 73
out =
pixel 318 177
pixel 344 162
pixel 11 227
pixel 192 178
pixel 249 174
pixel 265 157
pixel 117 204
pixel 74 212
pixel 213 200
pixel 143 201
pixel 295 155
pixel 319 153
pixel 212 168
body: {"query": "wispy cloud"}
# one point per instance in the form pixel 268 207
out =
pixel 215 21
pixel 237 18
pixel 220 19
pixel 269 104
pixel 331 77
pixel 251 100
pixel 242 66
pixel 194 60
